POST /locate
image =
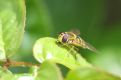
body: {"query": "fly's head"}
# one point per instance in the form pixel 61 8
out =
pixel 63 37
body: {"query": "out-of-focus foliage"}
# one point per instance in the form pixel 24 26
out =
pixel 2 50
pixel 48 71
pixel 90 74
pixel 12 21
pixel 5 74
pixel 99 22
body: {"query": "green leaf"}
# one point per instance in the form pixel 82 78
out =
pixel 24 76
pixel 90 74
pixel 12 17
pixel 48 49
pixel 2 51
pixel 5 74
pixel 49 71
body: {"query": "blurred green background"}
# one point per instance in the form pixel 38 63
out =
pixel 99 22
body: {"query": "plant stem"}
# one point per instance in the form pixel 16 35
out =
pixel 10 63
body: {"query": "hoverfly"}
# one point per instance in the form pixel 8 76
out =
pixel 72 38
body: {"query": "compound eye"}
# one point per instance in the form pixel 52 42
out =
pixel 65 38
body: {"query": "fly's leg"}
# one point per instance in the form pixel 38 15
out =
pixel 73 51
pixel 64 46
pixel 70 48
pixel 75 48
pixel 60 44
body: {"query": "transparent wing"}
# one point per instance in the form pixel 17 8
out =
pixel 75 31
pixel 88 46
